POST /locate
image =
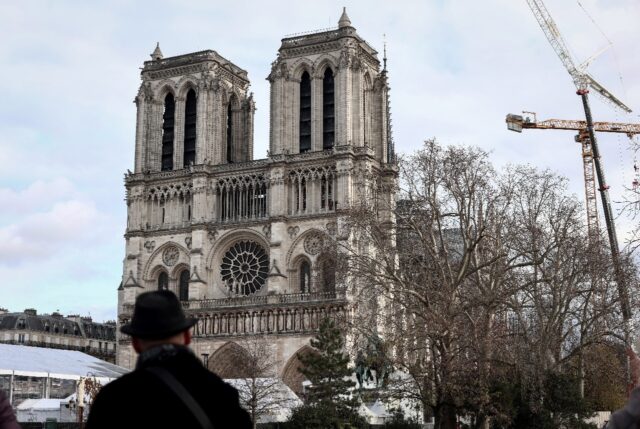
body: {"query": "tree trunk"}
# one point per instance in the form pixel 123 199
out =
pixel 447 417
pixel 482 422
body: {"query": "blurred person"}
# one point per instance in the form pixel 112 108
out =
pixel 7 416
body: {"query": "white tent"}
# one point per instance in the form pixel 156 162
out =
pixel 36 372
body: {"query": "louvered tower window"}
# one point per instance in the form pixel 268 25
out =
pixel 184 286
pixel 328 110
pixel 167 133
pixel 190 113
pixel 305 113
pixel 230 157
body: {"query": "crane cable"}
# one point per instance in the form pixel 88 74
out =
pixel 633 139
pixel 615 55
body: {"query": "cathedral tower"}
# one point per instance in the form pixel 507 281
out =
pixel 249 246
pixel 327 90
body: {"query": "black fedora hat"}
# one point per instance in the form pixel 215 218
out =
pixel 157 315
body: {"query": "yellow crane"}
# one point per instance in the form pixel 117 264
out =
pixel 529 121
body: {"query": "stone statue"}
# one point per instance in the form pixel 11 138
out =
pixel 372 364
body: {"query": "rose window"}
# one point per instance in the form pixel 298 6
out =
pixel 244 268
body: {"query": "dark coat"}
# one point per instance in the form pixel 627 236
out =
pixel 7 417
pixel 141 400
pixel 629 416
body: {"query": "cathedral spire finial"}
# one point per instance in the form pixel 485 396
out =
pixel 384 58
pixel 157 53
pixel 344 19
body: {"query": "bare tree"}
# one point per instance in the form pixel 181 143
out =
pixel 473 258
pixel 422 266
pixel 566 301
pixel 261 392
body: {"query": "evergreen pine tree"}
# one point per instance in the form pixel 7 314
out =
pixel 328 401
pixel 328 369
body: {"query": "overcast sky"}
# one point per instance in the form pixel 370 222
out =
pixel 69 71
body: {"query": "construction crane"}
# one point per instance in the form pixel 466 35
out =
pixel 583 81
pixel 529 121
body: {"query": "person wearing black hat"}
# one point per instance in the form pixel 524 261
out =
pixel 169 388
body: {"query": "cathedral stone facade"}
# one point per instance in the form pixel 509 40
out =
pixel 250 246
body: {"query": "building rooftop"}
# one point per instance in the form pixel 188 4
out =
pixel 159 62
pixel 292 43
pixel 56 323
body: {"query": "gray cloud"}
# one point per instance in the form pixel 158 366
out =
pixel 39 236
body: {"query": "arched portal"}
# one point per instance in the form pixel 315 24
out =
pixel 291 375
pixel 228 361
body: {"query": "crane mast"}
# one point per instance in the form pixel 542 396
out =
pixel 583 82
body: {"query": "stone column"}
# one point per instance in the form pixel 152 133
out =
pixel 291 90
pixel 248 112
pixel 141 130
pixel 356 123
pixel 316 112
pixel 201 120
pixel 277 193
pixel 343 102
pixel 178 134
pixel 277 116
pixel 342 193
pixel 154 136
pixel 215 125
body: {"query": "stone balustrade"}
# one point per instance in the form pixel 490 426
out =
pixel 296 313
pixel 259 300
pixel 286 319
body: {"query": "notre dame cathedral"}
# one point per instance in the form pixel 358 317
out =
pixel 249 246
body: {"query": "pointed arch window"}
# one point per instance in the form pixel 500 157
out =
pixel 304 275
pixel 305 113
pixel 168 119
pixel 183 287
pixel 328 110
pixel 163 281
pixel 328 272
pixel 230 146
pixel 190 117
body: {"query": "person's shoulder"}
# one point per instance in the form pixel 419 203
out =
pixel 121 384
pixel 215 379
